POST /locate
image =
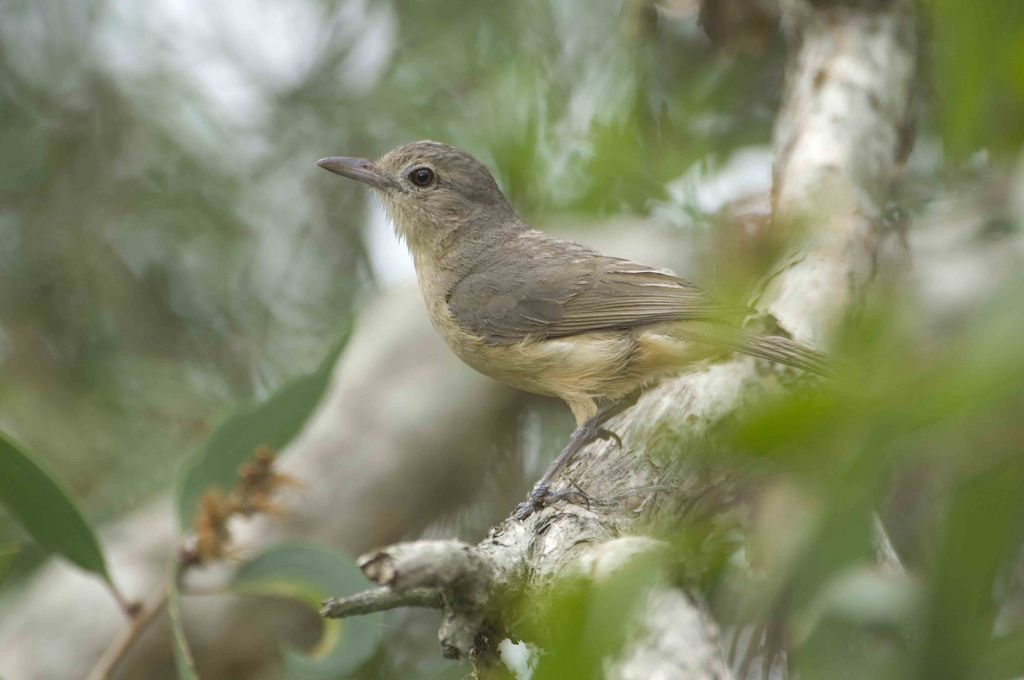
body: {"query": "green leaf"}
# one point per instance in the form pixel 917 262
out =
pixel 183 661
pixel 310 574
pixel 979 66
pixel 864 596
pixel 272 423
pixel 1004 657
pixel 581 623
pixel 980 539
pixel 7 555
pixel 41 505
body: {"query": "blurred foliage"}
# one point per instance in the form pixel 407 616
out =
pixel 978 53
pixel 311 574
pixel 168 251
pixel 580 623
pixel 7 555
pixel 907 405
pixel 269 426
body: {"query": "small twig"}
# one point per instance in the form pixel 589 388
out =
pixel 116 652
pixel 378 600
pixel 141 618
pixel 131 608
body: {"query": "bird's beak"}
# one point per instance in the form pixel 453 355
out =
pixel 358 169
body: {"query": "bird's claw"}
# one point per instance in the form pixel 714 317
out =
pixel 525 509
pixel 575 495
pixel 535 502
pixel 542 496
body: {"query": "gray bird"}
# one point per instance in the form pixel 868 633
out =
pixel 540 313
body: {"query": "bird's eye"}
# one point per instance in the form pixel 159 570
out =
pixel 421 177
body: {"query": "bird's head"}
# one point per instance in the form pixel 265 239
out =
pixel 430 190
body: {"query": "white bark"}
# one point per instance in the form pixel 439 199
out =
pixel 838 140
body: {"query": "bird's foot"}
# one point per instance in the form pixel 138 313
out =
pixel 542 496
pixel 538 499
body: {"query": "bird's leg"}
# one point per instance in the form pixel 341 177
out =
pixel 581 436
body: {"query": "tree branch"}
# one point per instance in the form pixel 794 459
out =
pixel 378 600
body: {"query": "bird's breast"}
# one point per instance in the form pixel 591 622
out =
pixel 586 366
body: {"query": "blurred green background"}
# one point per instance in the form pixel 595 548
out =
pixel 168 250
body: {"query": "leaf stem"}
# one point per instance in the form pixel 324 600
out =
pixel 131 608
pixel 141 620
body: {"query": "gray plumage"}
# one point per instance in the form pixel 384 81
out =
pixel 537 286
pixel 542 313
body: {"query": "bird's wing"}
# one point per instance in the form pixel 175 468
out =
pixel 541 287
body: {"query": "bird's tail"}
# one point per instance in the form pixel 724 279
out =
pixel 771 347
pixel 785 351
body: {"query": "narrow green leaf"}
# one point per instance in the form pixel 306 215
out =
pixel 7 555
pixel 310 574
pixel 40 504
pixel 272 423
pixel 183 661
pixel 1004 658
pixel 980 537
pixel 978 62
